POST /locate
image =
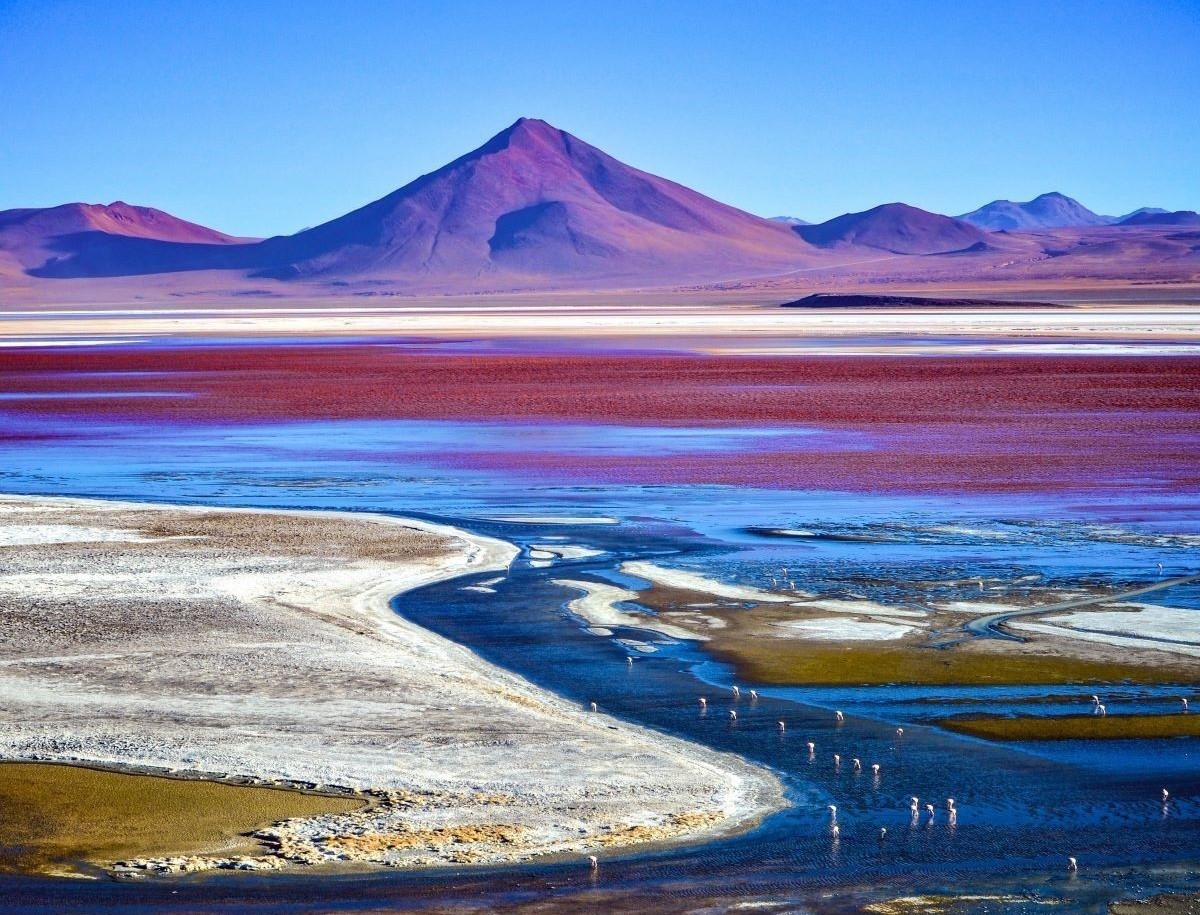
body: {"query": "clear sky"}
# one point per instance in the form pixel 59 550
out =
pixel 261 117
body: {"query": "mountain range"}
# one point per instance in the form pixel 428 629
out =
pixel 535 208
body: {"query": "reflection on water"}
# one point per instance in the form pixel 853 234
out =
pixel 1021 809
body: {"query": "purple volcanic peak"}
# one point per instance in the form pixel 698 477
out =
pixel 91 239
pixel 895 227
pixel 118 218
pixel 1149 217
pixel 536 201
pixel 1053 210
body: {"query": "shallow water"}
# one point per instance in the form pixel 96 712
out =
pixel 1023 808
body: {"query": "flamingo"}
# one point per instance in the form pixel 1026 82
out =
pixel 833 811
pixel 837 761
pixel 882 833
pixel 1095 700
pixel 915 805
pixel 949 803
pixel 736 692
pixel 812 748
pixel 732 715
pixel 594 707
pixel 1072 865
pixel 840 717
pixel 753 695
pixel 1184 702
pixel 629 662
pixel 929 808
pixel 1165 795
pixel 899 733
pixel 1101 710
pixel 703 702
pixel 1160 568
pixel 782 726
pixel 875 769
pixel 594 862
pixel 834 831
pixel 856 764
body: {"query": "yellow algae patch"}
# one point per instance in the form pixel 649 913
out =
pixel 1076 727
pixel 56 816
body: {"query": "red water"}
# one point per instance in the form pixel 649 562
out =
pixel 923 423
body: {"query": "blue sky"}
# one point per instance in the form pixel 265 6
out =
pixel 263 117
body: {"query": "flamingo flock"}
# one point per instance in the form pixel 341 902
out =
pixel 915 807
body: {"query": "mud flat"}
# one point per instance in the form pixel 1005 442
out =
pixel 259 648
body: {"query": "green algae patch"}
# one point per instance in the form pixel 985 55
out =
pixel 1075 727
pixel 778 661
pixel 56 818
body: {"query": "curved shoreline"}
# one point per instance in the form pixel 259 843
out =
pixel 519 817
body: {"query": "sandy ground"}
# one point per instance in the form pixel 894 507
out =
pixel 261 645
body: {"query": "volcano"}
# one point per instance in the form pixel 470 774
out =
pixel 535 201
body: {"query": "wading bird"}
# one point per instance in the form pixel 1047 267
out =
pixel 1071 865
pixel 812 748
pixel 782 726
pixel 929 810
pixel 856 764
pixel 899 732
pixel 837 761
pixel 594 707
pixel 949 803
pixel 753 695
pixel 594 862
pixel 1183 701
pixel 882 833
pixel 732 715
pixel 875 769
pixel 1101 710
pixel 840 716
pixel 833 811
pixel 1165 795
pixel 629 661
pixel 703 702
pixel 915 806
pixel 736 692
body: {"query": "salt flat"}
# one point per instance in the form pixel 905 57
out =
pixel 261 646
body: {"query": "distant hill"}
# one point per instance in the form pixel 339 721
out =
pixel 93 233
pixel 1162 218
pixel 791 220
pixel 1049 211
pixel 1141 211
pixel 895 227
